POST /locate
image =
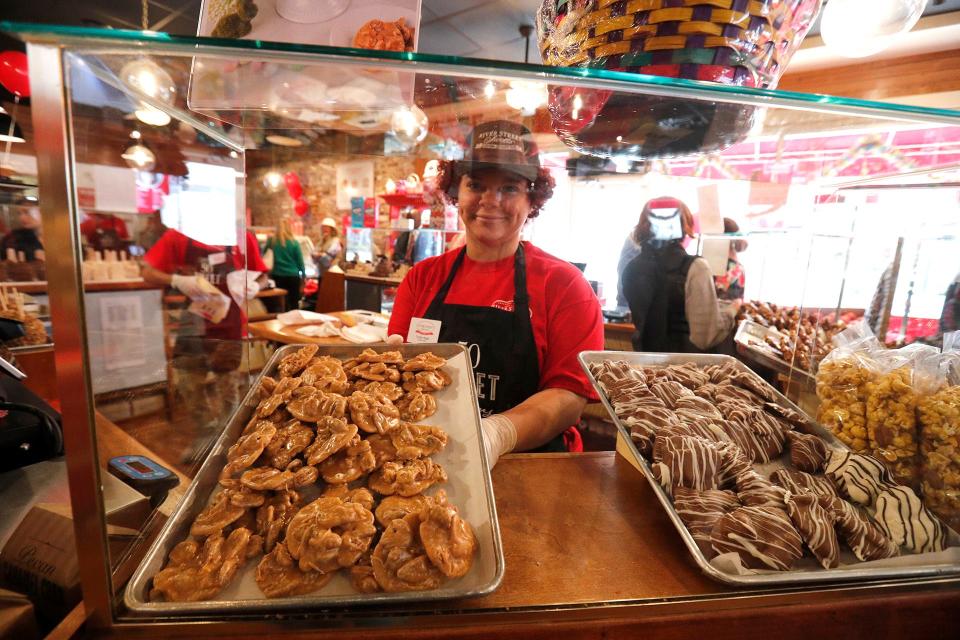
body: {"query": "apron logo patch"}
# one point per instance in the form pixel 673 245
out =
pixel 503 305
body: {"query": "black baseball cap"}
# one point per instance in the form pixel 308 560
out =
pixel 501 144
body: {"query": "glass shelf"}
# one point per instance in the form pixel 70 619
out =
pixel 239 91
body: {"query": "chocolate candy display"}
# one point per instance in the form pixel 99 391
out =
pixel 745 479
pixel 802 339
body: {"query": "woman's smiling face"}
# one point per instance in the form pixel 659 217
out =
pixel 494 206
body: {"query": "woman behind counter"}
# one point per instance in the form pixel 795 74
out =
pixel 330 246
pixel 524 314
pixel 671 294
pixel 287 269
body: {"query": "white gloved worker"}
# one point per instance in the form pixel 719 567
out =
pixel 190 286
pixel 499 437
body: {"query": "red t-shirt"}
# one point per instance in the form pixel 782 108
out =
pixel 95 222
pixel 564 311
pixel 168 253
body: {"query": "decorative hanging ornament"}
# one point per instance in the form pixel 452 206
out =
pixel 301 207
pixel 14 75
pixel 292 181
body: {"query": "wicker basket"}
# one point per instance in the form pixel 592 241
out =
pixel 737 42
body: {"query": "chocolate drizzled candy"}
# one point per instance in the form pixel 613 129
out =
pixel 907 522
pixel 798 482
pixel 763 537
pixel 807 452
pixel 816 528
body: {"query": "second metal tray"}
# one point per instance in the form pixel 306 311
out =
pixel 926 565
pixel 468 487
pixel 750 342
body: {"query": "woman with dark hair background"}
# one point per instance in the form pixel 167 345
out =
pixel 672 297
pixel 524 314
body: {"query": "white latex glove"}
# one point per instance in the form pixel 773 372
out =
pixel 394 338
pixel 190 286
pixel 499 437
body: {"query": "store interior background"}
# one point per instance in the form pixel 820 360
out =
pixel 778 188
pixel 803 234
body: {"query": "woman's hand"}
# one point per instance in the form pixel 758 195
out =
pixel 394 339
pixel 499 437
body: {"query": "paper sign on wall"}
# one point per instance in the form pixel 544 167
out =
pixel 121 320
pixel 354 180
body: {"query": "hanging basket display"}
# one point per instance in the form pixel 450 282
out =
pixel 734 42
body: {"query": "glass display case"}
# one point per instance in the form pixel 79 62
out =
pixel 832 196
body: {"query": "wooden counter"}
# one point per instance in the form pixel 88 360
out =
pixel 275 331
pixel 40 286
pixel 591 554
pixel 390 281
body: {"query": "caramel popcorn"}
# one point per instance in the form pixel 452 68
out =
pixel 939 417
pixel 842 389
pixel 892 423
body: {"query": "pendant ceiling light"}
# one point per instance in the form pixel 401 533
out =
pixel 860 28
pixel 139 156
pixel 150 79
pixel 526 97
pixel 409 125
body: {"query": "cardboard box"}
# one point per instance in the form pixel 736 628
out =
pixel 40 560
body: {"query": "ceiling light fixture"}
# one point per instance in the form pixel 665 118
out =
pixel 526 96
pixel 150 79
pixel 151 116
pixel 409 125
pixel 139 156
pixel 860 28
pixel 489 89
pixel 282 140
pixel 273 180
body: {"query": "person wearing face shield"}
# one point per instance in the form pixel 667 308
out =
pixel 523 314
pixel 672 296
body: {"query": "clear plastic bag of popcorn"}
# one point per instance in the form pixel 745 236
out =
pixel 938 415
pixel 842 380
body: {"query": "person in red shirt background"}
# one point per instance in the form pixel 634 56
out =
pixel 524 314
pixel 203 346
pixel 104 231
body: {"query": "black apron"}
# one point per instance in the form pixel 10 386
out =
pixel 201 343
pixel 500 343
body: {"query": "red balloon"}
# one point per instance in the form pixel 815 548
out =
pixel 294 188
pixel 13 73
pixel 301 207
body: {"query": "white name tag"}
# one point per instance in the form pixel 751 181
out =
pixel 217 258
pixel 423 331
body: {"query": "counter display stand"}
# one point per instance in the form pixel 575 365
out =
pixel 588 550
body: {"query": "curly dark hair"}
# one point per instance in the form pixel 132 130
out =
pixel 539 191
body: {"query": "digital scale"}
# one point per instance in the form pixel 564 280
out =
pixel 144 475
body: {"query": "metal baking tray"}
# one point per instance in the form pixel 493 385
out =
pixel 750 340
pixel 857 571
pixel 468 487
